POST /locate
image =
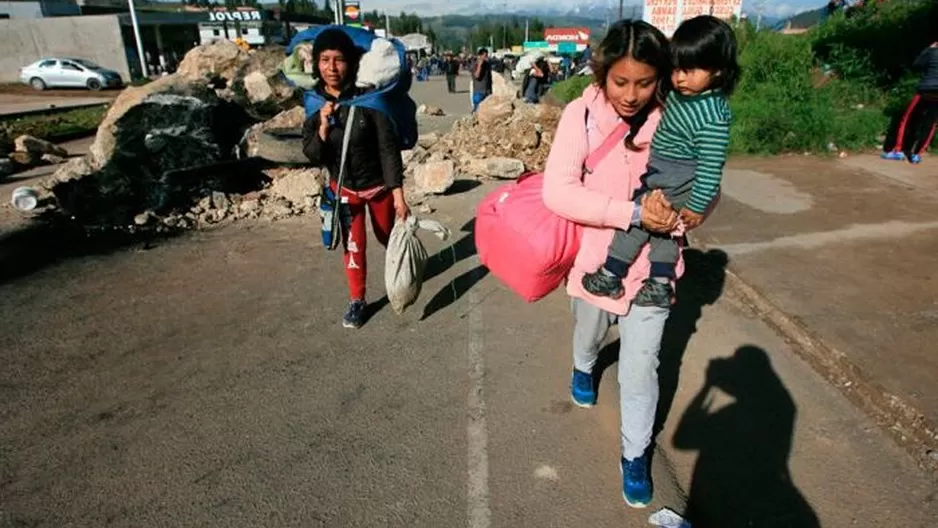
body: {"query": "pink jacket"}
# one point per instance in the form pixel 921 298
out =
pixel 599 201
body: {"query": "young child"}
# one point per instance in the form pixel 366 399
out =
pixel 687 156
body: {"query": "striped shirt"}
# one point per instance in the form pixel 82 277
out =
pixel 696 128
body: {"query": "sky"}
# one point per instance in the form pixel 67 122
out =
pixel 773 8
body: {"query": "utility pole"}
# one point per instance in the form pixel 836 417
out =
pixel 140 54
pixel 526 21
pixel 339 12
pixel 387 25
pixel 620 9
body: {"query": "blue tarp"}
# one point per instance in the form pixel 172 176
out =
pixel 392 100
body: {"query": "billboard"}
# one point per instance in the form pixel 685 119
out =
pixel 353 12
pixel 667 15
pixel 578 35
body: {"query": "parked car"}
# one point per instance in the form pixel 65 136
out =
pixel 54 72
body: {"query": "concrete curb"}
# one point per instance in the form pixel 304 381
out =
pixel 52 110
pixel 905 423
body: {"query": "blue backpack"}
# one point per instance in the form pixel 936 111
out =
pixel 392 100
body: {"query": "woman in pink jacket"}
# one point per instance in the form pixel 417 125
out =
pixel 632 68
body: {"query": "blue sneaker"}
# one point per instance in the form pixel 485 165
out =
pixel 915 159
pixel 355 315
pixel 893 155
pixel 582 389
pixel 636 482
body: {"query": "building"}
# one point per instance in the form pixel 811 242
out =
pixel 102 31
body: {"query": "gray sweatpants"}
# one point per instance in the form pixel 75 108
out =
pixel 640 334
pixel 676 179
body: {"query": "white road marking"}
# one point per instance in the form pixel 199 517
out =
pixel 854 233
pixel 479 511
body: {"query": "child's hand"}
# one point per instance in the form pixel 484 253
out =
pixel 691 219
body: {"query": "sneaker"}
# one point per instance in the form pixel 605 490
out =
pixel 355 315
pixel 915 159
pixel 893 155
pixel 582 389
pixel 602 285
pixel 654 293
pixel 636 483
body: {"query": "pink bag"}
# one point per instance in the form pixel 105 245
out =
pixel 524 243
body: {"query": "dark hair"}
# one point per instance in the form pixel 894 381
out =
pixel 707 43
pixel 337 40
pixel 642 42
pixel 482 51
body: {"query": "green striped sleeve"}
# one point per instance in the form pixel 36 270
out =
pixel 711 142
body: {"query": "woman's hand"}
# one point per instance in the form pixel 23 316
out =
pixel 657 214
pixel 691 219
pixel 401 209
pixel 324 114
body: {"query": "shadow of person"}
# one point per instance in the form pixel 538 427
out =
pixel 741 478
pixel 701 285
pixel 444 260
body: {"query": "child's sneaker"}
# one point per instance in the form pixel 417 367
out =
pixel 654 293
pixel 915 159
pixel 636 482
pixel 602 284
pixel 893 155
pixel 582 389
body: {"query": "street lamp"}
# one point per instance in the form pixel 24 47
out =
pixel 140 53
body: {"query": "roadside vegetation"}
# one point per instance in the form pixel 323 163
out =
pixel 835 87
pixel 59 126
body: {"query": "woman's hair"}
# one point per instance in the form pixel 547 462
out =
pixel 707 43
pixel 641 42
pixel 337 40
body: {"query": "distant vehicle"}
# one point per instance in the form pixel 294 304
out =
pixel 68 73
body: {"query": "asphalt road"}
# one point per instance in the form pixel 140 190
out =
pixel 206 381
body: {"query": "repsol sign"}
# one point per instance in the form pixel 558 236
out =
pixel 231 16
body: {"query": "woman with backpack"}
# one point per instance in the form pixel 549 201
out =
pixel 616 115
pixel 373 167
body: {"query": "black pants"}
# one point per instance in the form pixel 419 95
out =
pixel 451 83
pixel 922 121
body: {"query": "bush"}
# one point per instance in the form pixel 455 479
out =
pixel 568 90
pixel 785 103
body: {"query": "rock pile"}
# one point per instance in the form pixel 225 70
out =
pixel 28 152
pixel 289 192
pixel 176 139
pixel 504 139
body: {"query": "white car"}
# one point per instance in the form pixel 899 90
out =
pixel 53 72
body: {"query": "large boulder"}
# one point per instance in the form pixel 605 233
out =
pixel 435 177
pixel 40 147
pixel 221 59
pixel 251 79
pixel 298 186
pixel 495 110
pixel 502 87
pixel 149 138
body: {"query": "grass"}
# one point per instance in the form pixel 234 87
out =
pixel 53 127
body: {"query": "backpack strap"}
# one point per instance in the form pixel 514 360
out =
pixel 346 134
pixel 607 145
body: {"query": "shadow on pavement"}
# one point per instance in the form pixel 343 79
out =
pixel 461 186
pixel 45 243
pixel 701 285
pixel 741 478
pixel 447 258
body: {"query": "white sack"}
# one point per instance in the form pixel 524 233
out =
pixel 406 259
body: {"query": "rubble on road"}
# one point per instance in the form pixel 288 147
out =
pixel 504 139
pixel 164 147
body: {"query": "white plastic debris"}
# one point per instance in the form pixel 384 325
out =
pixel 666 518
